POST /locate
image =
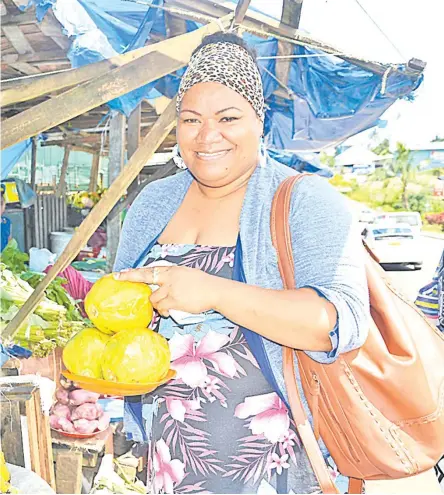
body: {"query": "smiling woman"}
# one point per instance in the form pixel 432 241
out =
pixel 222 425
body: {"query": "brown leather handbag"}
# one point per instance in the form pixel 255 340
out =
pixel 379 409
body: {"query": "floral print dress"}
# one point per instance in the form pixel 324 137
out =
pixel 218 427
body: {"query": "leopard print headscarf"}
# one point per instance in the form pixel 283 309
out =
pixel 229 64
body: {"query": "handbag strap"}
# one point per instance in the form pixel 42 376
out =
pixel 281 237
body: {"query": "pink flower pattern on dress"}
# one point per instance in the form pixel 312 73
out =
pixel 187 357
pixel 168 472
pixel 279 463
pixel 178 407
pixel 270 416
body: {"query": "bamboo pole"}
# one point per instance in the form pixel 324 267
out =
pixel 148 147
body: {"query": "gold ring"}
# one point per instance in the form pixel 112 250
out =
pixel 155 275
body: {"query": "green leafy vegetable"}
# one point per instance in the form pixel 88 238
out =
pixel 13 258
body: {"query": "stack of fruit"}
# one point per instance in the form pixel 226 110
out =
pixel 121 348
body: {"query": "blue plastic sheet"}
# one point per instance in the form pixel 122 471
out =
pixel 330 100
pixel 10 156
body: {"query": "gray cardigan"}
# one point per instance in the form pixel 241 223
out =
pixel 327 251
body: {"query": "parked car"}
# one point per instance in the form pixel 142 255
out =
pixel 411 218
pixel 395 244
pixel 366 216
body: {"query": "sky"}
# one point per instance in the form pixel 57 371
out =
pixel 415 28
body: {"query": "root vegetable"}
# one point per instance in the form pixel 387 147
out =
pixel 85 426
pixel 103 421
pixel 87 411
pixel 62 411
pixel 62 396
pixel 54 422
pixel 79 396
pixel 66 425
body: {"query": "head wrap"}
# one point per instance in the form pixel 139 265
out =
pixel 228 64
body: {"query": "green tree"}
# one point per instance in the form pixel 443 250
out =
pixel 327 160
pixel 402 166
pixel 383 148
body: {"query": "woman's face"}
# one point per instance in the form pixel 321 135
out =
pixel 218 134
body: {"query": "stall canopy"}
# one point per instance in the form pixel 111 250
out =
pixel 323 98
pixel 329 99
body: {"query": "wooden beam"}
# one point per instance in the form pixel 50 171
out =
pixel 165 57
pixel 133 135
pixel 42 57
pixel 33 162
pixel 115 167
pixel 94 177
pixel 146 150
pixel 17 39
pixel 61 187
pixel 51 27
pixel 28 89
pixel 241 10
pixel 19 18
pixel 11 7
pixel 291 13
pixel 25 68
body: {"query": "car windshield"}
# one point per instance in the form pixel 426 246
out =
pixel 381 233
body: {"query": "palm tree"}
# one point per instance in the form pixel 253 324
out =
pixel 402 166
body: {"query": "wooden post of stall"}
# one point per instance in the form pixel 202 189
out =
pixel 61 187
pixel 133 138
pixel 117 147
pixel 94 172
pixel 33 163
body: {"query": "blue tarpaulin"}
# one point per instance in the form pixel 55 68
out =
pixel 330 99
pixel 11 155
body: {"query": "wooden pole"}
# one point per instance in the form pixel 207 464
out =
pixel 33 162
pixel 94 173
pixel 291 16
pixel 148 147
pixel 241 10
pixel 61 188
pixel 133 136
pixel 96 84
pixel 115 167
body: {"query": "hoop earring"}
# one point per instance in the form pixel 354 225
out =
pixel 262 154
pixel 178 160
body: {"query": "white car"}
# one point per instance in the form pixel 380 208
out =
pixel 395 244
pixel 409 218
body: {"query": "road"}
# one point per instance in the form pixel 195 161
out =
pixel 409 281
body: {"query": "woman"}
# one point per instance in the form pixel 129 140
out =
pixel 222 425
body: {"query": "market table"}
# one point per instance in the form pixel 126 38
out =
pixel 72 454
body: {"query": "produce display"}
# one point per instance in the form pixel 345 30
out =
pixel 4 475
pixel 77 411
pixel 50 325
pixel 114 305
pixel 85 199
pixel 122 349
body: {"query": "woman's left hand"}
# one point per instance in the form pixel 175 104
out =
pixel 180 287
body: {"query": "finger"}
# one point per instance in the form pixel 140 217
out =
pixel 159 294
pixel 163 308
pixel 144 275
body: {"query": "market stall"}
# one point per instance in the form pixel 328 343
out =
pixel 65 421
